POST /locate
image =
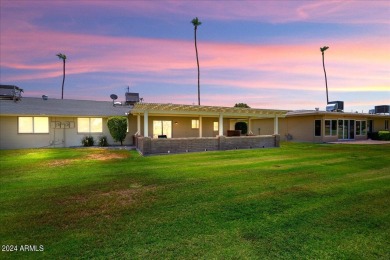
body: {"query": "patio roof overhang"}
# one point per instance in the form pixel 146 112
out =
pixel 207 111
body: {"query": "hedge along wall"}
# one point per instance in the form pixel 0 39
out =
pixel 148 145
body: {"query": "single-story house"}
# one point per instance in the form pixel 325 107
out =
pixel 45 122
pixel 164 128
pixel 321 126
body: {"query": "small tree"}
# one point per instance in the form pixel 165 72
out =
pixel 241 126
pixel 118 128
pixel 241 105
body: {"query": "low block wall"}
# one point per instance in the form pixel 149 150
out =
pixel 147 145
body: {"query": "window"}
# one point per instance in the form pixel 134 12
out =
pixel 364 128
pixel 89 125
pixel 162 128
pixel 361 128
pixel 33 125
pixel 215 126
pixel 358 127
pixel 317 127
pixel 330 127
pixel 386 124
pixel 195 123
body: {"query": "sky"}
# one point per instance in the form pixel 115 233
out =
pixel 262 53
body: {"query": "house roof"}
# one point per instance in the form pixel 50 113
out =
pixel 194 110
pixel 300 113
pixel 61 107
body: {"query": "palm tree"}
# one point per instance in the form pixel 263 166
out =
pixel 323 49
pixel 63 57
pixel 196 23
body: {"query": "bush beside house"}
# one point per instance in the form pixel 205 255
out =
pixel 117 125
pixel 384 135
pixel 87 141
pixel 381 135
pixel 103 141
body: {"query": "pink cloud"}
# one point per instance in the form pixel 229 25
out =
pixel 348 60
pixel 336 11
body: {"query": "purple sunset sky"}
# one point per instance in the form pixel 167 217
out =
pixel 263 53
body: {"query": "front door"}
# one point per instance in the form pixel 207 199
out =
pixel 370 126
pixel 351 129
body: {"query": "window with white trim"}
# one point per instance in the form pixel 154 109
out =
pixel 194 123
pixel 33 125
pixel 361 127
pixel 90 125
pixel 330 127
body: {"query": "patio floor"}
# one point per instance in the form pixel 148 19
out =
pixel 368 141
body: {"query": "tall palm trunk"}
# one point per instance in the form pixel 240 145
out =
pixel 323 49
pixel 63 81
pixel 326 80
pixel 197 62
pixel 196 23
pixel 63 57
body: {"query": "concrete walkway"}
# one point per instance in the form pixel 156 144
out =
pixel 368 141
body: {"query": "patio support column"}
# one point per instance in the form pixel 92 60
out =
pixel 220 125
pixel 138 124
pixel 276 125
pixel 250 126
pixel 146 124
pixel 200 127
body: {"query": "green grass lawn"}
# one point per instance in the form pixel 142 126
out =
pixel 300 201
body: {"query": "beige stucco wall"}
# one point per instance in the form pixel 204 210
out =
pixel 10 139
pixel 57 137
pixel 379 124
pixel 300 128
pixel 181 126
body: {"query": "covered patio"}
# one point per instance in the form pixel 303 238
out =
pixel 173 128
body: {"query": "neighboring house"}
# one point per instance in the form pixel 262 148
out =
pixel 45 122
pixel 321 126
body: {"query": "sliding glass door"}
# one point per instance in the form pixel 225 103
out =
pixel 162 129
pixel 346 129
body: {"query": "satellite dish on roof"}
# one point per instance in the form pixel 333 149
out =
pixel 113 97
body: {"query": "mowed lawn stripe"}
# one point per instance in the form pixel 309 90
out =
pixel 297 201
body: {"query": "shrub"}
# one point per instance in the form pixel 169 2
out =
pixel 381 135
pixel 241 126
pixel 384 135
pixel 87 141
pixel 103 141
pixel 373 135
pixel 118 128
